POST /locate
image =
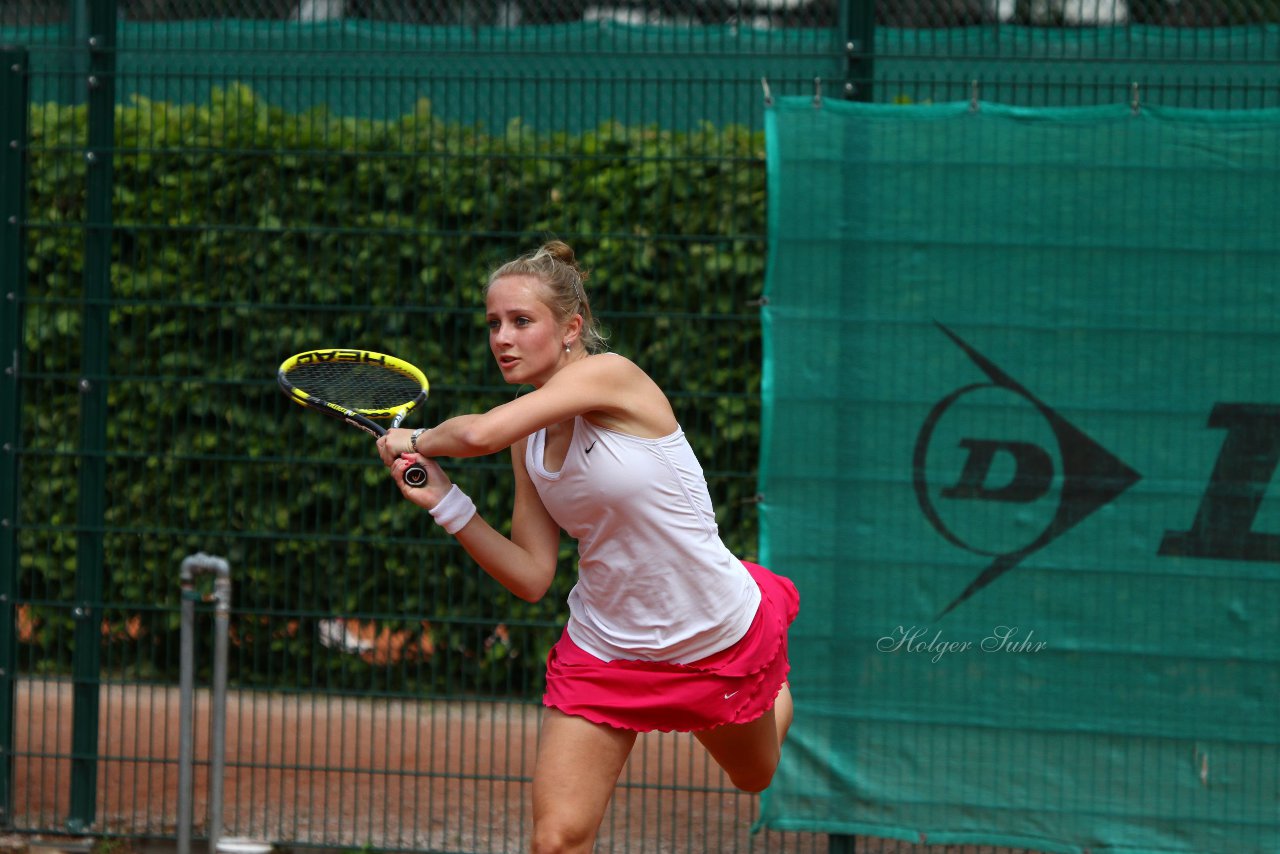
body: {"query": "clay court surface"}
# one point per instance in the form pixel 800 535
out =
pixel 339 772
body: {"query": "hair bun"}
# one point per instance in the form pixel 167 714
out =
pixel 563 253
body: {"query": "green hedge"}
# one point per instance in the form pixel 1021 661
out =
pixel 243 234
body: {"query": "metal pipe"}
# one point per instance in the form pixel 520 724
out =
pixel 193 565
pixel 186 692
pixel 218 716
pixel 94 57
pixel 15 114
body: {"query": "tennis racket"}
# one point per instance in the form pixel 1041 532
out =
pixel 359 387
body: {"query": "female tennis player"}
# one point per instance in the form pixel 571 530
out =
pixel 667 630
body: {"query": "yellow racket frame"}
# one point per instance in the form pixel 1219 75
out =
pixel 394 414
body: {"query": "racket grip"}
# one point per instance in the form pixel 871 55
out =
pixel 416 475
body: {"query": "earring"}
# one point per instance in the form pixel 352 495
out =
pixel 566 346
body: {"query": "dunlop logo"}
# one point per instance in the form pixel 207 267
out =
pixel 1043 476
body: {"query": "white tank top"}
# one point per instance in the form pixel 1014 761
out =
pixel 655 581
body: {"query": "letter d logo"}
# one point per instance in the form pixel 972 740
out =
pixel 1006 481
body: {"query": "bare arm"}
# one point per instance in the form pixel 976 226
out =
pixel 609 389
pixel 525 563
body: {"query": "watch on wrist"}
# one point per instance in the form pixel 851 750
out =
pixel 413 439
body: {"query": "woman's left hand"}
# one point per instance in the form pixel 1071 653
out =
pixel 393 444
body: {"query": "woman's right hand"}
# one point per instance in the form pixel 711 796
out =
pixel 438 483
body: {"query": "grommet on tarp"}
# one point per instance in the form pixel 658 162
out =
pixel 817 91
pixel 973 96
pixel 768 96
pixel 1135 104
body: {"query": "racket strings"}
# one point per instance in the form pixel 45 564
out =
pixel 356 385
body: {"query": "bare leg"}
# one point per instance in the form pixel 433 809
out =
pixel 783 711
pixel 576 772
pixel 749 752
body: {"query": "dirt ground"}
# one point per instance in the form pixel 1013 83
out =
pixel 341 773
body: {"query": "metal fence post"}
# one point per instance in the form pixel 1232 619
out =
pixel 192 566
pixel 858 26
pixel 75 65
pixel 842 844
pixel 14 113
pixel 93 414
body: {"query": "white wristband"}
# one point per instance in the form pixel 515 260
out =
pixel 453 511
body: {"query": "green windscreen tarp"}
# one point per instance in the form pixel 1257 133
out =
pixel 1022 427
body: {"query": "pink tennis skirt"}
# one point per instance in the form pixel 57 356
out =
pixel 732 686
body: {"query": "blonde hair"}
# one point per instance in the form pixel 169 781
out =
pixel 555 266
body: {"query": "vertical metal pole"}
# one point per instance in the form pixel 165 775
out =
pixel 218 713
pixel 73 68
pixel 14 112
pixel 841 844
pixel 193 565
pixel 858 24
pixel 93 414
pixel 186 707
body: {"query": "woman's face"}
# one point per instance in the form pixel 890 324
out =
pixel 525 337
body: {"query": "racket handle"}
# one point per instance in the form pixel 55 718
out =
pixel 416 475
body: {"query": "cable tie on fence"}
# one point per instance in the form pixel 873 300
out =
pixel 1135 104
pixel 768 95
pixel 973 96
pixel 817 91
